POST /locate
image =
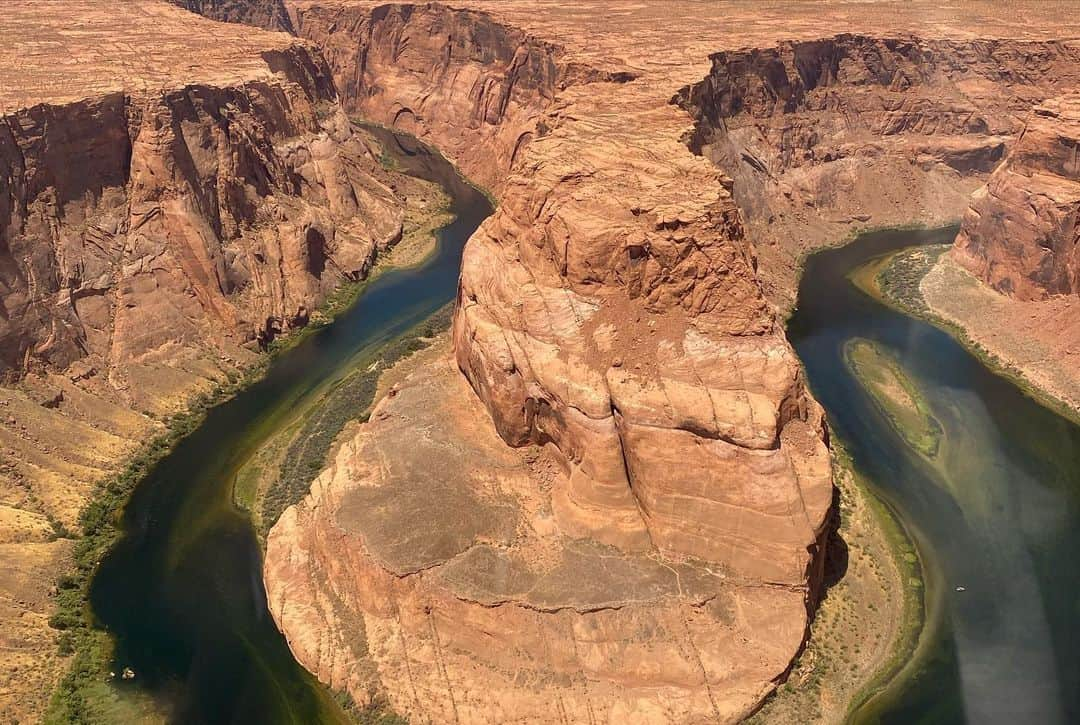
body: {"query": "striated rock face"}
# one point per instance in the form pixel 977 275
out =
pixel 267 14
pixel 235 208
pixel 440 573
pixel 655 552
pixel 1021 233
pixel 610 311
pixel 865 129
pixel 474 87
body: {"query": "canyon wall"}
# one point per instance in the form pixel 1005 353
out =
pixel 1021 234
pixel 621 515
pixel 174 193
pixel 473 87
pixel 858 130
pixel 135 222
pixel 266 14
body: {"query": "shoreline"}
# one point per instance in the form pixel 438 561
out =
pixel 868 622
pixel 906 557
pixel 919 591
pixel 87 648
pixel 908 298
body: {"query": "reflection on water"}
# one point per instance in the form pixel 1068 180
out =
pixel 998 511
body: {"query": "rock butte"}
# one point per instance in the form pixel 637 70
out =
pixel 671 483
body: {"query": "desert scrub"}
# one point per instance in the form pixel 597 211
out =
pixel 900 277
pixel 346 401
pixel 99 529
pixel 376 712
pixel 894 394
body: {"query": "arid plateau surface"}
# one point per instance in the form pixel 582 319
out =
pixel 607 495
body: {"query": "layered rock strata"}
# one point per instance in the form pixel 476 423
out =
pixel 236 207
pixel 474 87
pixel 1021 234
pixel 442 575
pixel 820 133
pixel 1012 279
pixel 612 324
pixel 173 192
pixel 610 320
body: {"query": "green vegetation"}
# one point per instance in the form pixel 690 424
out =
pixel 335 303
pixel 900 274
pixel 348 400
pixel 895 395
pixel 77 698
pixel 899 282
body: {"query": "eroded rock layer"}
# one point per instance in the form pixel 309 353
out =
pixel 1021 234
pixel 612 323
pixel 854 128
pixel 173 192
pixel 609 313
pixel 134 221
pixel 440 574
pixel 473 86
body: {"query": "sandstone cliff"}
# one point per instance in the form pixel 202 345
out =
pixel 442 575
pixel 133 222
pixel 859 129
pixel 474 87
pixel 173 192
pixel 267 14
pixel 1021 234
pixel 611 324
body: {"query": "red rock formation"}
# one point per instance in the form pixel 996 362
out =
pixel 267 14
pixel 171 190
pixel 133 221
pixel 474 87
pixel 438 574
pixel 859 129
pixel 1021 233
pixel 610 313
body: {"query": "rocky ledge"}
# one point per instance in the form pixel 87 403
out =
pixel 1020 234
pixel 648 547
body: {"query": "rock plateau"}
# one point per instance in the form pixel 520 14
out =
pixel 613 324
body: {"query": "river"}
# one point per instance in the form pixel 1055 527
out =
pixel 182 591
pixel 996 513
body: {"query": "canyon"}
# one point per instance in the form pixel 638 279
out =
pixel 1013 277
pixel 616 320
pixel 169 203
pixel 617 487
